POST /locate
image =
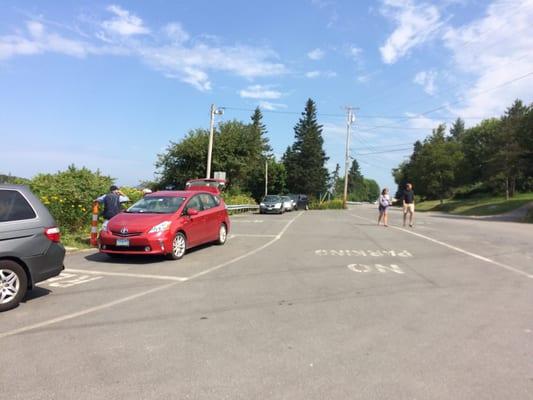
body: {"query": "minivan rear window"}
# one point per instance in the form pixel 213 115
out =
pixel 14 207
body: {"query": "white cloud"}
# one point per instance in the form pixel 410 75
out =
pixel 267 105
pixel 176 33
pixel 260 92
pixel 492 50
pixel 318 74
pixel 415 25
pixel 124 23
pixel 39 41
pixel 316 54
pixel 171 52
pixel 364 78
pixel 354 52
pixel 426 79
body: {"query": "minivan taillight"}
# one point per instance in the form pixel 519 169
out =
pixel 53 234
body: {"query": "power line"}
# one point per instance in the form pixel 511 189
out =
pixel 370 116
pixel 511 81
pixel 382 152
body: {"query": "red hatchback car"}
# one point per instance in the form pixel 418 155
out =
pixel 167 222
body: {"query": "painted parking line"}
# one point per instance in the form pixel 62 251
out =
pixel 129 275
pixel 455 248
pixel 144 293
pixel 234 235
pixel 67 279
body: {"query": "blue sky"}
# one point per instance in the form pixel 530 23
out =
pixel 108 84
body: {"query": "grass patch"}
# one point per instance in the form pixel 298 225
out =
pixel 479 205
pixel 79 240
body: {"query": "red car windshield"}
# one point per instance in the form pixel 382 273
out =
pixel 157 205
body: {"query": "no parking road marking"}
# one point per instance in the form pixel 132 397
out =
pixel 364 253
pixel 376 268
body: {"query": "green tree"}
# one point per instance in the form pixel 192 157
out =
pixel 305 160
pixel 457 129
pixel 372 190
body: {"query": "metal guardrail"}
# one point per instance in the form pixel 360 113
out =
pixel 237 208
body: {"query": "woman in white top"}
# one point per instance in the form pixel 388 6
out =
pixel 384 203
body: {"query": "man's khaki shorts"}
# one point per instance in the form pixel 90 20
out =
pixel 409 208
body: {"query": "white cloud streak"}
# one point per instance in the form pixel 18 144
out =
pixel 124 23
pixel 316 54
pixel 494 49
pixel 426 79
pixel 415 25
pixel 267 105
pixel 260 92
pixel 320 74
pixel 173 52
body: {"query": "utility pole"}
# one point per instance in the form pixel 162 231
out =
pixel 266 177
pixel 214 111
pixel 350 119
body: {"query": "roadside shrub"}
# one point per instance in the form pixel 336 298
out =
pixel 335 204
pixel 468 191
pixel 69 195
pixel 134 194
pixel 234 199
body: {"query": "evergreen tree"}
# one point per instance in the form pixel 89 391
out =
pixel 305 160
pixel 457 129
pixel 259 131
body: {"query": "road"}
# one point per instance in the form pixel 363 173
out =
pixel 307 305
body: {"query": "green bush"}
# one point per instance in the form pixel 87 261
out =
pixel 235 199
pixel 134 194
pixel 69 195
pixel 335 204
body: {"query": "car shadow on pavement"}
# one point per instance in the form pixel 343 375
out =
pixel 124 259
pixel 141 259
pixel 36 293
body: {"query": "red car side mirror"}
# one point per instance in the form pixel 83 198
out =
pixel 192 212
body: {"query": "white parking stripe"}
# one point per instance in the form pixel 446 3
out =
pixel 141 294
pixel 252 252
pixel 84 312
pixel 250 235
pixel 128 275
pixel 458 249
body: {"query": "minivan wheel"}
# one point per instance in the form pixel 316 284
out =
pixel 13 284
pixel 222 234
pixel 179 245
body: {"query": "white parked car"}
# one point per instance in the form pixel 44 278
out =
pixel 288 204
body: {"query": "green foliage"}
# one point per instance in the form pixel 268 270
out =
pixel 335 204
pixel 237 199
pixel 69 195
pixel 305 160
pixel 495 155
pixel 239 149
pixel 134 194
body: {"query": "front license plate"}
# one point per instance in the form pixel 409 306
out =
pixel 123 242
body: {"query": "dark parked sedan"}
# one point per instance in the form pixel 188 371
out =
pixel 30 248
pixel 271 204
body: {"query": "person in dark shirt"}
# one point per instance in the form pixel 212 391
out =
pixel 112 202
pixel 408 199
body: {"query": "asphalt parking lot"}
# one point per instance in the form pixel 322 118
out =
pixel 306 305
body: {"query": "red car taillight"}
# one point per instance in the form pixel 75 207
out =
pixel 53 234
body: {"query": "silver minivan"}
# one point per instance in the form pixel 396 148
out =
pixel 30 248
